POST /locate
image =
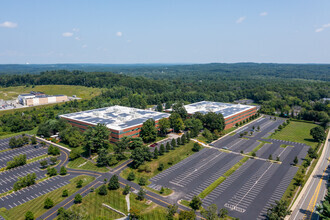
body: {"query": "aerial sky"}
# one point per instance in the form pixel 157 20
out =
pixel 164 31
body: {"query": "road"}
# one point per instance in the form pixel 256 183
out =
pixel 315 191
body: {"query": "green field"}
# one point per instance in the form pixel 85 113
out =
pixel 37 205
pixel 93 208
pixel 176 155
pixel 296 132
pixel 8 93
pixel 88 166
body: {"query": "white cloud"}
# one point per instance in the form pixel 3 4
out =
pixel 8 24
pixel 84 46
pixel 264 13
pixel 67 34
pixel 240 20
pixel 119 34
pixel 322 27
pixel 75 29
pixel 77 38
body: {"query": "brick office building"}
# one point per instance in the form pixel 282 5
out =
pixel 121 121
pixel 232 113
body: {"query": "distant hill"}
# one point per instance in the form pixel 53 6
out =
pixel 159 71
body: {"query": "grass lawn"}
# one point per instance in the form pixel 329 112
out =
pixel 296 132
pixel 176 155
pixel 74 164
pixel 149 212
pixel 9 93
pixel 37 205
pixel 93 208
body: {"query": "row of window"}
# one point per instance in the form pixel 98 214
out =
pixel 251 110
pixel 240 118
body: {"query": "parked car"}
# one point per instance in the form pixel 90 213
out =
pixel 153 145
pixel 225 148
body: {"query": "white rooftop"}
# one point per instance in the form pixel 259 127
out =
pixel 116 117
pixel 226 109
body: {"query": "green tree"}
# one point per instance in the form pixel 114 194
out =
pixel 163 126
pixel 53 160
pixel 148 131
pixel 171 210
pixel 176 122
pixel 79 183
pixel 51 171
pixel 161 149
pixel 33 140
pixel 142 181
pixel 127 189
pixel 141 194
pixel 74 154
pixel 140 155
pixel 159 107
pixel 195 203
pixel 194 125
pixel 214 121
pixel 187 215
pixel 78 199
pixel 295 161
pixel 48 203
pixel 131 176
pixel 270 157
pixel 208 135
pixel 156 153
pixel 103 190
pixel 223 212
pixel 65 193
pixel 96 137
pixel 196 147
pixel 63 171
pixel 161 167
pixel 318 133
pixel 168 147
pixel 135 143
pixel 43 163
pixel 29 215
pixel 210 213
pixel 180 109
pixel 114 183
pixel 278 211
pixel 173 143
pixel 120 147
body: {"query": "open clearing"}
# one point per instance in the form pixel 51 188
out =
pixel 296 132
pixel 9 93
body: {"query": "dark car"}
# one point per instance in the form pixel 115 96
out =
pixel 153 145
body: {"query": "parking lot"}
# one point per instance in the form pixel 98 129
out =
pixel 29 150
pixel 249 191
pixel 193 175
pixel 21 196
pixel 9 177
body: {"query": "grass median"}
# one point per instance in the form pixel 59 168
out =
pixel 216 183
pixel 84 164
pixel 168 159
pixel 37 205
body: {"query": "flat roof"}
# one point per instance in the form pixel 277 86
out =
pixel 226 109
pixel 116 117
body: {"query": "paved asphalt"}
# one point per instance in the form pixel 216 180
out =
pixel 315 191
pixel 29 150
pixel 256 182
pixel 193 175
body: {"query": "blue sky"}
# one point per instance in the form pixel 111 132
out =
pixel 164 31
